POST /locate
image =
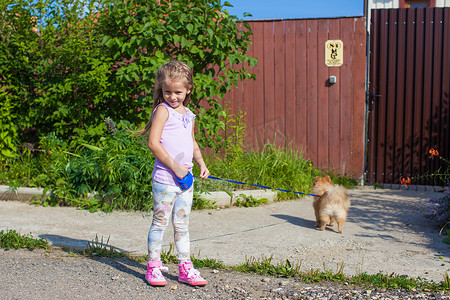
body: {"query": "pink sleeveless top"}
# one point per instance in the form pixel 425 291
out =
pixel 177 140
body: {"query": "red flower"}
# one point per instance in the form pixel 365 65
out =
pixel 433 152
pixel 404 181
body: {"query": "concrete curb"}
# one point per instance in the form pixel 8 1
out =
pixel 24 194
pixel 222 199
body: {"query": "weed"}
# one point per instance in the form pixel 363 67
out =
pixel 447 238
pixel 211 263
pixel 249 201
pixel 14 240
pixel 376 185
pixel 439 210
pixel 264 266
pixel 446 281
pixel 200 203
pixel 99 248
pixel 168 256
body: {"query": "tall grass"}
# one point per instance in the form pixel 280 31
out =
pixel 276 167
pixel 281 168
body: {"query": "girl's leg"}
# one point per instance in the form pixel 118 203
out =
pixel 180 220
pixel 163 199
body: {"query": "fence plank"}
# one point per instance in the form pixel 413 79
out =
pixel 418 90
pixel 357 78
pixel 290 83
pixel 280 100
pixel 336 142
pixel 257 128
pixel 269 90
pixel 301 84
pixel 322 94
pixel 312 66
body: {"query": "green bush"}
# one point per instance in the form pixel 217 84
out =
pixel 68 64
pixel 113 174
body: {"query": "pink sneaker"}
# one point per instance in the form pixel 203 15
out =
pixel 190 275
pixel 154 276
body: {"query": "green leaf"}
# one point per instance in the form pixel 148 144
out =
pixel 94 148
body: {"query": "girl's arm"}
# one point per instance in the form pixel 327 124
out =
pixel 204 172
pixel 159 120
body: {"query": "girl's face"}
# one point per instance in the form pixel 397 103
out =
pixel 174 92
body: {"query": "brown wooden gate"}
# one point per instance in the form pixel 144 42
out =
pixel 408 93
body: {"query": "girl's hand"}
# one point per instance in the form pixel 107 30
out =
pixel 204 172
pixel 180 171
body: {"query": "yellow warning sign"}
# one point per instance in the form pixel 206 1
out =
pixel 334 53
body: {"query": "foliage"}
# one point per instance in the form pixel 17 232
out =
pixel 249 201
pixel 277 167
pixel 8 131
pixel 447 238
pixel 169 256
pixel 441 176
pixel 202 33
pixel 14 240
pixel 102 249
pixel 234 134
pixel 265 266
pixel 65 65
pixel 211 263
pixel 200 203
pixel 116 173
pixel 439 209
pixel 113 174
pixel 395 281
pixel 50 68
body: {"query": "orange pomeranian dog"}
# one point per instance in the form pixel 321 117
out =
pixel 331 204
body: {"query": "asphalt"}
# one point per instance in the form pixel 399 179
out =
pixel 386 231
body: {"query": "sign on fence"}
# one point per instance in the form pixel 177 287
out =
pixel 334 53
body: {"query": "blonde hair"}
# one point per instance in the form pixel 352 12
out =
pixel 173 70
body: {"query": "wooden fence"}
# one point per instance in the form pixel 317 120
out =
pixel 293 99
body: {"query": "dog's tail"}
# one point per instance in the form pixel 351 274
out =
pixel 339 194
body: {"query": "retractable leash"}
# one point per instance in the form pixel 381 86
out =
pixel 260 186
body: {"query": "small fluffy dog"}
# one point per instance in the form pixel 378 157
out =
pixel 332 204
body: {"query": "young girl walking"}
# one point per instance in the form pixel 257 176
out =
pixel 172 141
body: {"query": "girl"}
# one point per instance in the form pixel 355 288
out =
pixel 172 141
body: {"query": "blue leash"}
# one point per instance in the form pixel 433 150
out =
pixel 260 186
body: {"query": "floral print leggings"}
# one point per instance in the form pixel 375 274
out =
pixel 170 201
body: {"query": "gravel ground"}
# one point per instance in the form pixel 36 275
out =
pixel 57 274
